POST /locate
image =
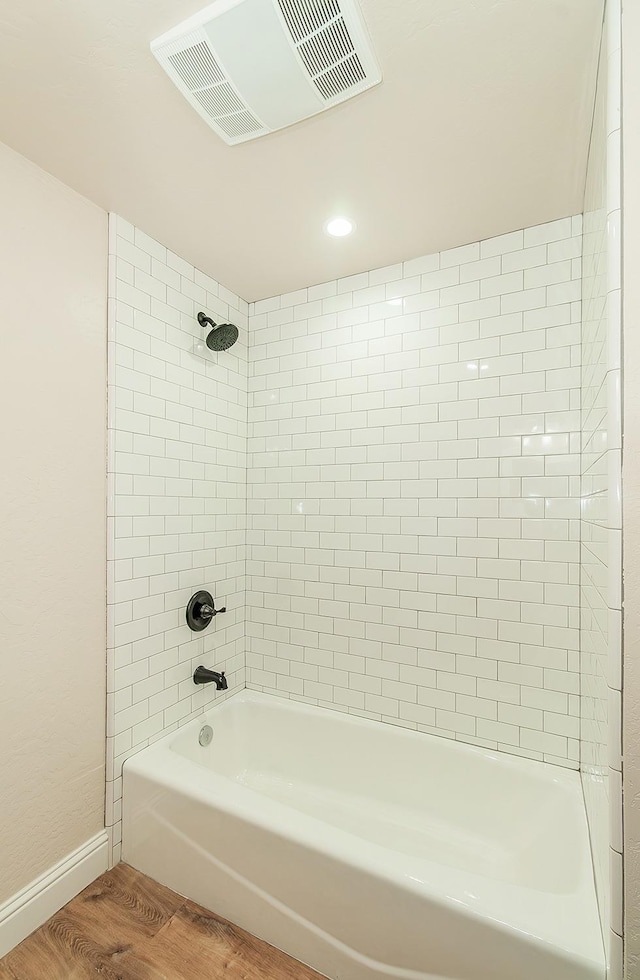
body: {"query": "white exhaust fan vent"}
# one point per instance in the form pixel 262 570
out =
pixel 250 67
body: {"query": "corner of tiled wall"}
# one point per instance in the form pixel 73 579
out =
pixel 601 558
pixel 614 452
pixel 177 429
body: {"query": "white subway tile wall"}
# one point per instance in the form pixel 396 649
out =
pixel 177 496
pixel 414 493
pixel 601 530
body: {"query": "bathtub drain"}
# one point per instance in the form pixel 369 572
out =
pixel 206 734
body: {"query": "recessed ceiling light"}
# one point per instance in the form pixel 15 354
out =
pixel 339 227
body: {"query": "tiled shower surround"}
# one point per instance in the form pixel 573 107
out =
pixel 408 441
pixel 414 493
pixel 177 496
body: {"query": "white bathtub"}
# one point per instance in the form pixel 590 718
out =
pixel 368 851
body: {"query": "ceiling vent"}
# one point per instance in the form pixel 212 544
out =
pixel 250 67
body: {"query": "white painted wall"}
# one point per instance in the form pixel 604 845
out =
pixel 53 262
pixel 177 495
pixel 414 493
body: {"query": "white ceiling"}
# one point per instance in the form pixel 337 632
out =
pixel 480 126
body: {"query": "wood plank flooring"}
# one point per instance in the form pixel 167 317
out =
pixel 125 926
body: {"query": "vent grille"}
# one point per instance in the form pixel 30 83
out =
pixel 320 34
pixel 325 48
pixel 196 66
pixel 306 56
pixel 240 125
pixel 303 17
pixel 220 100
pixel 344 76
pixel 199 75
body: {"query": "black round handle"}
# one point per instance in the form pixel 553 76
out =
pixel 201 610
pixel 197 619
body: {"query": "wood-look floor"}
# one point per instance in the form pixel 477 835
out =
pixel 127 927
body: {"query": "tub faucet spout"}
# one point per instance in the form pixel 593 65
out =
pixel 202 675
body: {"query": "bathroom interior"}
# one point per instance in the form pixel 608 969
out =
pixel 320 551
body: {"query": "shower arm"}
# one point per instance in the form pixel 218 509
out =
pixel 206 321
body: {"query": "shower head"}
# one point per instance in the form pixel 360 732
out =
pixel 222 336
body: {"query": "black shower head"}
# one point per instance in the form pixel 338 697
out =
pixel 223 335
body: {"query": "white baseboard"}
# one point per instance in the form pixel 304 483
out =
pixel 31 907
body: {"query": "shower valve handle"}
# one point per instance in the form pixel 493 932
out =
pixel 207 612
pixel 201 610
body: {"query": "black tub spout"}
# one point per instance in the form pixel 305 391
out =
pixel 202 675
